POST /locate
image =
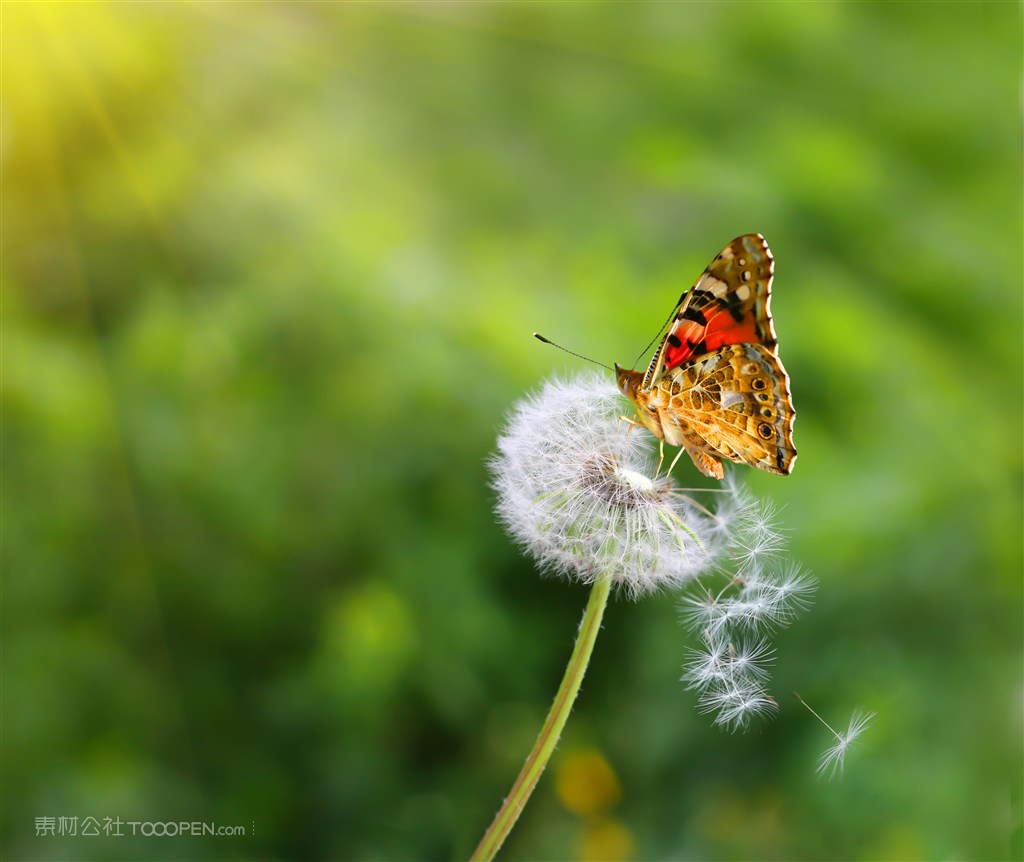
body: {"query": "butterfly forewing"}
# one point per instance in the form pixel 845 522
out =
pixel 728 304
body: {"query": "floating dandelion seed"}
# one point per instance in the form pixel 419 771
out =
pixel 833 759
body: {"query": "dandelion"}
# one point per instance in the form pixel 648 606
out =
pixel 580 493
pixel 833 759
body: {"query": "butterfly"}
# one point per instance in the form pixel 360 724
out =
pixel 716 385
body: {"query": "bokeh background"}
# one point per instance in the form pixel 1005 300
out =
pixel 270 273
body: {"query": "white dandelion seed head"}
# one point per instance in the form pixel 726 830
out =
pixel 579 492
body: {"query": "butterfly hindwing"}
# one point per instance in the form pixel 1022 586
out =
pixel 735 404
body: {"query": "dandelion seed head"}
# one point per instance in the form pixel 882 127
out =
pixel 580 493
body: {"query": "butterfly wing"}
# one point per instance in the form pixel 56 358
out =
pixel 716 377
pixel 733 403
pixel 728 304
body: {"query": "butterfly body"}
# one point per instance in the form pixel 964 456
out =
pixel 716 385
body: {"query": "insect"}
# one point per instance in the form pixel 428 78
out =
pixel 716 386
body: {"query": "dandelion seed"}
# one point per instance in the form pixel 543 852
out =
pixel 739 504
pixel 706 667
pixel 833 759
pixel 761 542
pixel 755 606
pixel 736 704
pixel 769 599
pixel 795 590
pixel 700 612
pixel 751 660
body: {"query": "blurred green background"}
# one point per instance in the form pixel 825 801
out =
pixel 270 276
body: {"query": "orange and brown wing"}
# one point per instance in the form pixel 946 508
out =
pixel 733 404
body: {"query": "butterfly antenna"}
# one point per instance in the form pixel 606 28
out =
pixel 675 311
pixel 540 337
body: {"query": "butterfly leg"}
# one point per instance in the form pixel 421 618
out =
pixel 661 457
pixel 630 422
pixel 675 460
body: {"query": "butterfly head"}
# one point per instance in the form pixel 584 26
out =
pixel 627 380
pixel 630 384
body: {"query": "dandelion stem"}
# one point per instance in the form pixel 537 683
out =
pixel 538 758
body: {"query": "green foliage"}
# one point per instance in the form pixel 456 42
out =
pixel 270 278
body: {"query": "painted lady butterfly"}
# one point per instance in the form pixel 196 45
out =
pixel 716 385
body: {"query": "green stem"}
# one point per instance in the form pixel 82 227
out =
pixel 506 818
